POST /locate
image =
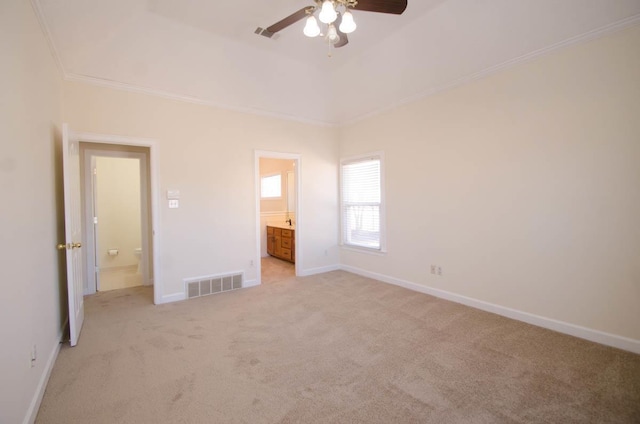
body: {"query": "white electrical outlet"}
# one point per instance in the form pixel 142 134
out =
pixel 439 270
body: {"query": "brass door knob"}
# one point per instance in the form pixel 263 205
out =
pixel 61 246
pixel 76 245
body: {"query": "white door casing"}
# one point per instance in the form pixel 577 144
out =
pixel 73 231
pixel 297 178
pixel 150 206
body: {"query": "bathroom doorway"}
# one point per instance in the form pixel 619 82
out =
pixel 278 216
pixel 117 219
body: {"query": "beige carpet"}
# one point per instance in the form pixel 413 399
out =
pixel 332 348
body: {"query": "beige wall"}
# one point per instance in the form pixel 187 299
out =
pixel 208 154
pixel 118 210
pixel 522 186
pixel 31 224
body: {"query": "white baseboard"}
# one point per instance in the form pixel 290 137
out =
pixel 250 283
pixel 174 297
pixel 319 270
pixel 601 337
pixel 34 406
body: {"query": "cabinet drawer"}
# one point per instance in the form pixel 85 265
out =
pixel 286 253
pixel 270 230
pixel 286 233
pixel 286 243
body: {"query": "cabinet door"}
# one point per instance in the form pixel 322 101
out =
pixel 271 244
pixel 277 246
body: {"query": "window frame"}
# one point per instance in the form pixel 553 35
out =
pixel 377 155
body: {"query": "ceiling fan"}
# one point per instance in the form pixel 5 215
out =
pixel 336 15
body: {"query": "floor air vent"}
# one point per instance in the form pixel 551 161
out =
pixel 204 286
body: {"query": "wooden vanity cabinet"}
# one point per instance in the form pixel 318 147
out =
pixel 281 243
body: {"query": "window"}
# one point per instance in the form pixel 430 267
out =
pixel 271 186
pixel 362 202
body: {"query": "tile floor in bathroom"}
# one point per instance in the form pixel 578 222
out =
pixel 274 269
pixel 119 278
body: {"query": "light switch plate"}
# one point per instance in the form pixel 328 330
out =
pixel 174 204
pixel 173 194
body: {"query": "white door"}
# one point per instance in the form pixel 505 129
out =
pixel 73 230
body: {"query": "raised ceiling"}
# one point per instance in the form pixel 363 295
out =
pixel 206 50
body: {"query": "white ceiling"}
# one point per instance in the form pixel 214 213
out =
pixel 206 50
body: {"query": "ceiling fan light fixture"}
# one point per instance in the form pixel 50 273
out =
pixel 332 34
pixel 336 19
pixel 311 28
pixel 348 25
pixel 328 12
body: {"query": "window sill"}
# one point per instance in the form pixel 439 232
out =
pixel 368 251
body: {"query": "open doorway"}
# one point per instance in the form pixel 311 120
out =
pixel 117 218
pixel 277 208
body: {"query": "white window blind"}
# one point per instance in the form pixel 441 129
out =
pixel 361 192
pixel 271 186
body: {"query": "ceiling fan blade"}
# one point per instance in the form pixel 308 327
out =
pixel 291 19
pixel 344 40
pixel 396 7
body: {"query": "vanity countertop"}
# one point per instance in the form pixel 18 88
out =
pixel 283 225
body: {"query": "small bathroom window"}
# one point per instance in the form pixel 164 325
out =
pixel 271 186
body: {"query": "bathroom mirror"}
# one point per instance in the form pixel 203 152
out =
pixel 291 192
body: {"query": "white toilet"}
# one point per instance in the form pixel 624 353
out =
pixel 138 252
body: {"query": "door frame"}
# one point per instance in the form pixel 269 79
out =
pixel 153 188
pixel 89 193
pixel 298 209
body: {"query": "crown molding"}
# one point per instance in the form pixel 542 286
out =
pixel 190 99
pixel 68 76
pixel 582 38
pixel 37 9
pixel 585 37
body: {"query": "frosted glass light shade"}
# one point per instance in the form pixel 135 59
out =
pixel 311 28
pixel 328 13
pixel 348 25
